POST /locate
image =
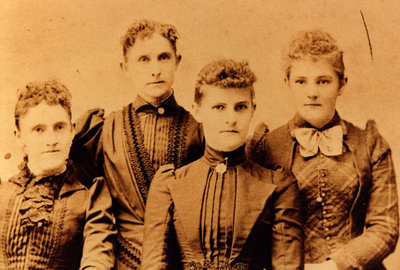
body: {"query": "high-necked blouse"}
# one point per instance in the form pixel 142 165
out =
pixel 55 223
pixel 217 216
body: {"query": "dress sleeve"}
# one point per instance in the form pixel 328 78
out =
pixel 158 221
pixel 86 150
pixel 99 231
pixel 382 221
pixel 287 233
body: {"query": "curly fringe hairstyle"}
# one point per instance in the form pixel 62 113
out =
pixel 52 92
pixel 316 44
pixel 225 73
pixel 141 29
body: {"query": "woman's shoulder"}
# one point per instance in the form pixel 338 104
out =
pixel 275 176
pixel 8 190
pixel 170 172
pixel 370 136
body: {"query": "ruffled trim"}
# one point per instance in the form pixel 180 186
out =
pixel 38 196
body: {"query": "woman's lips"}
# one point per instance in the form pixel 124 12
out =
pixel 313 105
pixel 157 82
pixel 229 131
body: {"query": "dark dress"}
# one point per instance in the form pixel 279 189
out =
pixel 55 223
pixel 226 212
pixel 127 147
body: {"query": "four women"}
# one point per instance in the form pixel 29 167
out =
pixel 322 182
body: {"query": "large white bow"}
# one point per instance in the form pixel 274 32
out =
pixel 329 141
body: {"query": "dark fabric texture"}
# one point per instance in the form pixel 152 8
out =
pixel 373 216
pixel 77 232
pixel 127 147
pixel 265 229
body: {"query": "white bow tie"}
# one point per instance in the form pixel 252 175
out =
pixel 329 141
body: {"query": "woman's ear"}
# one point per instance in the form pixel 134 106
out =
pixel 17 133
pixel 178 59
pixel 19 140
pixel 123 65
pixel 196 112
pixel 343 83
pixel 73 130
pixel 287 82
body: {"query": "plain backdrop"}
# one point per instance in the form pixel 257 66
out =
pixel 78 42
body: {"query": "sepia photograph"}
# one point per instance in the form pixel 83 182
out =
pixel 183 134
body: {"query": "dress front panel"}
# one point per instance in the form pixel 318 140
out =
pixel 328 187
pixel 70 229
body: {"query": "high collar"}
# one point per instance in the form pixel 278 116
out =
pixel 299 122
pixel 25 176
pixel 233 158
pixel 170 104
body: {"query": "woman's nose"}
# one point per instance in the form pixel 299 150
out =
pixel 312 91
pixel 231 117
pixel 155 69
pixel 52 138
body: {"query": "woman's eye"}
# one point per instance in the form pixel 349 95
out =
pixel 241 107
pixel 60 127
pixel 218 107
pixel 164 56
pixel 323 82
pixel 143 59
pixel 38 129
pixel 300 81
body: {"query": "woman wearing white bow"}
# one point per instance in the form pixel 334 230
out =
pixel 345 174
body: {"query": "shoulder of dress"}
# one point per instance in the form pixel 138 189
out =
pixel 164 172
pixel 167 168
pixel 95 114
pixel 10 184
pixel 261 129
pixel 279 131
pixel 257 171
pixel 88 121
pixel 377 147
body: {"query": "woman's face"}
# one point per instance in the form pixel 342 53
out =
pixel 314 86
pixel 46 135
pixel 226 115
pixel 151 67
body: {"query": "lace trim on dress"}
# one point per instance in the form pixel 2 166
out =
pixel 139 157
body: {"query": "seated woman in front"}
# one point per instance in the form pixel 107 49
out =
pixel 223 211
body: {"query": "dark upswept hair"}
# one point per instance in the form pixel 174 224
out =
pixel 225 73
pixel 316 44
pixel 52 92
pixel 146 28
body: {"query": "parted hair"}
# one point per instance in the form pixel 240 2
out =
pixel 141 29
pixel 53 92
pixel 225 73
pixel 316 44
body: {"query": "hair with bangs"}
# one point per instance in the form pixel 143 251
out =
pixel 52 92
pixel 225 73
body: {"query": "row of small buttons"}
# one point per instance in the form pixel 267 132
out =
pixel 322 192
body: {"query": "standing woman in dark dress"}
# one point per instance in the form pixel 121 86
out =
pixel 48 219
pixel 129 145
pixel 223 210
pixel 345 174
